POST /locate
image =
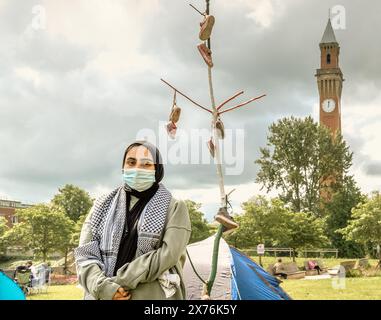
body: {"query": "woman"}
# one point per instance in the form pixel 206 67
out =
pixel 133 242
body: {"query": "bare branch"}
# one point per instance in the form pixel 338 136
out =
pixel 243 104
pixel 195 103
pixel 230 99
pixel 203 14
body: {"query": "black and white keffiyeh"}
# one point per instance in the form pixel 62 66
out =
pixel 107 226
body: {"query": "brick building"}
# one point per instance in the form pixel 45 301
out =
pixel 8 210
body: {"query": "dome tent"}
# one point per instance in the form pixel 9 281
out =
pixel 238 277
pixel 9 289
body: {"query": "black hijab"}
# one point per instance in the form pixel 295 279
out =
pixel 129 241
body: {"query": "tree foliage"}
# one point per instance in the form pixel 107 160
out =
pixel 272 223
pixel 74 201
pixel 77 231
pixel 199 225
pixel 338 212
pixel 365 224
pixel 3 229
pixel 299 158
pixel 42 228
pixel 304 230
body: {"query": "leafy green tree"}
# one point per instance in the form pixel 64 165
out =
pixel 77 231
pixel 42 228
pixel 338 212
pixel 263 221
pixel 199 225
pixel 74 201
pixel 3 229
pixel 299 158
pixel 365 224
pixel 304 230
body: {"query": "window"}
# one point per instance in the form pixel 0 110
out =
pixel 15 219
pixel 328 58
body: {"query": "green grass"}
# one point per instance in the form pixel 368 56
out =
pixel 355 289
pixel 68 292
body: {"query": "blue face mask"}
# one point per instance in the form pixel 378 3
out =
pixel 139 179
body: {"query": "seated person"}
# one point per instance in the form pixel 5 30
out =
pixel 18 269
pixel 278 269
pixel 312 265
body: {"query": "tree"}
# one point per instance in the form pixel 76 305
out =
pixel 365 224
pixel 272 223
pixel 299 158
pixel 263 221
pixel 200 229
pixel 77 231
pixel 304 230
pixel 3 229
pixel 338 212
pixel 74 201
pixel 42 228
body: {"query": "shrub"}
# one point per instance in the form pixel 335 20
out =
pixel 58 279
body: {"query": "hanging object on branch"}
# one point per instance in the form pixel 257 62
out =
pixel 171 130
pixel 225 219
pixel 174 117
pixel 220 129
pixel 212 148
pixel 206 27
pixel 206 54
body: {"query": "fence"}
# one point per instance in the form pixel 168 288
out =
pixel 290 251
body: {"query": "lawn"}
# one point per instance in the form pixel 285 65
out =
pixel 355 289
pixel 62 292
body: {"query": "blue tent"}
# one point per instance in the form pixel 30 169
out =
pixel 251 282
pixel 238 277
pixel 9 290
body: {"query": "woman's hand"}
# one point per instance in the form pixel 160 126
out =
pixel 122 294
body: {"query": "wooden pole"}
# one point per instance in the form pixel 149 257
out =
pixel 220 176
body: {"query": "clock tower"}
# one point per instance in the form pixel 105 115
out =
pixel 330 81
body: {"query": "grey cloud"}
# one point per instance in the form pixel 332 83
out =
pixel 75 128
pixel 373 169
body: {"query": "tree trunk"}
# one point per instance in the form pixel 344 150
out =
pixel 44 256
pixel 293 255
pixel 65 263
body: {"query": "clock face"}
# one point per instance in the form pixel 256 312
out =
pixel 329 105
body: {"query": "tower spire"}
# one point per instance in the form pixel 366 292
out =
pixel 329 34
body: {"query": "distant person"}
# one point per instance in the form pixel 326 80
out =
pixel 312 265
pixel 32 269
pixel 47 272
pixel 278 269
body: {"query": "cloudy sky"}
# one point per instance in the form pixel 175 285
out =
pixel 80 79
